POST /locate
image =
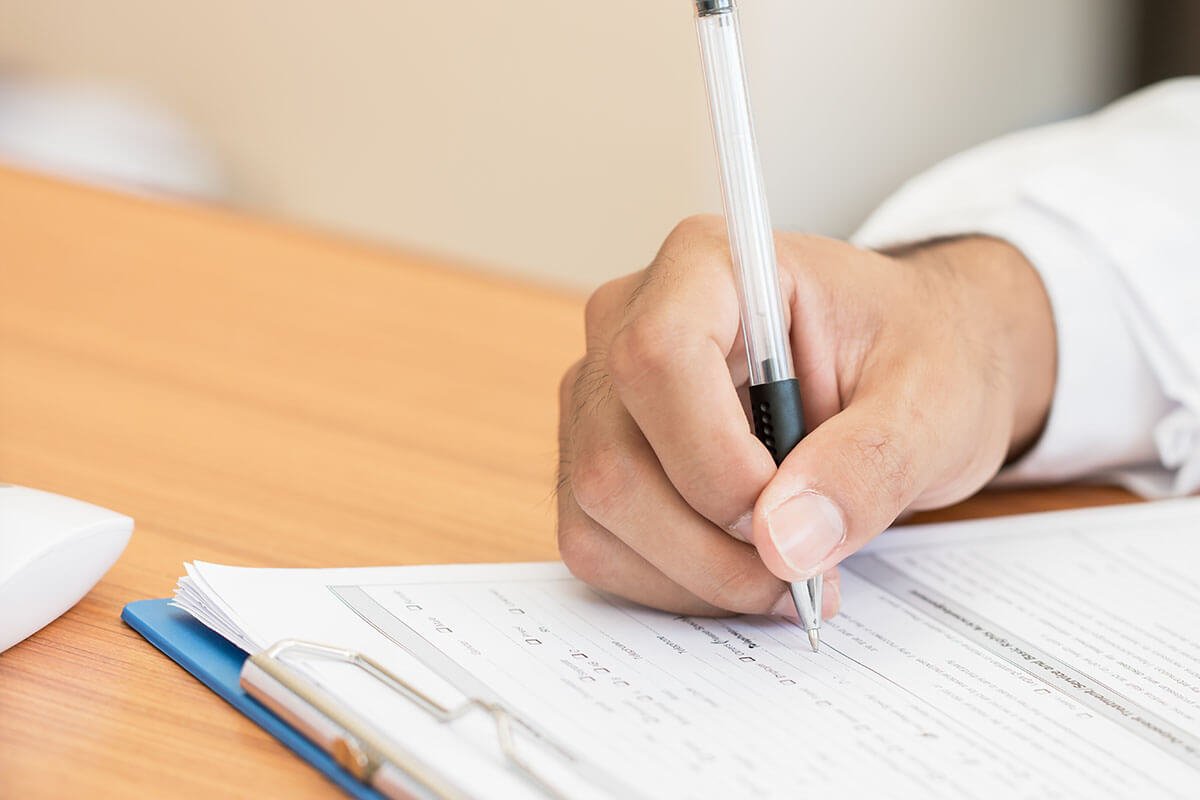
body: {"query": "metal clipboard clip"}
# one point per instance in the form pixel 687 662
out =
pixel 368 755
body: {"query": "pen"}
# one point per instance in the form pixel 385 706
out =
pixel 774 391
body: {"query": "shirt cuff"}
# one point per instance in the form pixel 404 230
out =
pixel 1106 399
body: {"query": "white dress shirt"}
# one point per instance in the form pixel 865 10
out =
pixel 1107 209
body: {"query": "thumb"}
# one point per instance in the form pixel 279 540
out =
pixel 839 488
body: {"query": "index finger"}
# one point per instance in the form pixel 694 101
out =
pixel 670 364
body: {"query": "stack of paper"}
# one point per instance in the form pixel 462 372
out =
pixel 1050 655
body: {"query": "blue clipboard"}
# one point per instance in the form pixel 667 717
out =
pixel 218 665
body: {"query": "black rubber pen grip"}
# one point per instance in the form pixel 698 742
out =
pixel 778 416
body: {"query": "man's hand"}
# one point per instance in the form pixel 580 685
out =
pixel 921 372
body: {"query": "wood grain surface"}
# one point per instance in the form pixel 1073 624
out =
pixel 254 394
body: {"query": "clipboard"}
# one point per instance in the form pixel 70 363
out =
pixel 310 721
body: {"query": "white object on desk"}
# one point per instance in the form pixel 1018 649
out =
pixel 53 549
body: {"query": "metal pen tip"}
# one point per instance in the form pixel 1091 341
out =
pixel 814 639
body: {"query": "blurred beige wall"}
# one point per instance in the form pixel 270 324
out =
pixel 858 95
pixel 561 140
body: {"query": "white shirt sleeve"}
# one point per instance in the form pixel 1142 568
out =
pixel 1107 209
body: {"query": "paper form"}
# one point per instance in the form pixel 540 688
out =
pixel 1043 656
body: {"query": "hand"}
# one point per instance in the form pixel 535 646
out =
pixel 920 372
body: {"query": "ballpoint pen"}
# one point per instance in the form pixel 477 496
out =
pixel 774 391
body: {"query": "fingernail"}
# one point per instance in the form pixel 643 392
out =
pixel 744 528
pixel 805 529
pixel 784 607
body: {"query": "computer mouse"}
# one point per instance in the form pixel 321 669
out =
pixel 53 549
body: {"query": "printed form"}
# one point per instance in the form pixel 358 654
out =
pixel 1052 655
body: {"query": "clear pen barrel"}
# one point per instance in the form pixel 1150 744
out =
pixel 743 192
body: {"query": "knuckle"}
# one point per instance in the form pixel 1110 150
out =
pixel 601 304
pixel 646 345
pixel 697 226
pixel 582 550
pixel 599 478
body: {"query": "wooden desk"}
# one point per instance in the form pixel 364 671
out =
pixel 259 395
